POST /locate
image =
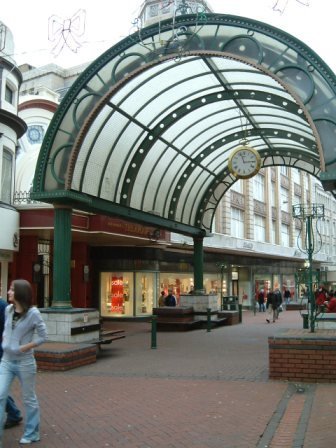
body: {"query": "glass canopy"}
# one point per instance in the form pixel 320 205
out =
pixel 146 132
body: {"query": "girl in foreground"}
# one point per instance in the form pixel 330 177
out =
pixel 18 341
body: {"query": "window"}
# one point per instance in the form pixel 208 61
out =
pixel 273 232
pixel 238 186
pixel 298 237
pixel 284 170
pixel 237 222
pixel 259 228
pixel 296 176
pixel 6 177
pixel 297 200
pixel 9 95
pixel 284 195
pixel 284 235
pixel 273 194
pixel 145 292
pixel 259 187
pixel 116 293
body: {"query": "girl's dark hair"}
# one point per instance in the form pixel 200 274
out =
pixel 23 293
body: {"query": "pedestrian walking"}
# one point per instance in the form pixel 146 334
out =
pixel 22 320
pixel 287 296
pixel 261 301
pixel 273 303
pixel 278 300
pixel 13 412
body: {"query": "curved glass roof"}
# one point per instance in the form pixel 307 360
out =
pixel 147 130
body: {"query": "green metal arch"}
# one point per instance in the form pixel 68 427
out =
pixel 276 50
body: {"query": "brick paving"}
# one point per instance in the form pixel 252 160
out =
pixel 196 389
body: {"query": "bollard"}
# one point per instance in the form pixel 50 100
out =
pixel 240 309
pixel 305 320
pixel 154 325
pixel 208 319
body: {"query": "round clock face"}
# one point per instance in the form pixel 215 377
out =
pixel 244 162
pixel 35 134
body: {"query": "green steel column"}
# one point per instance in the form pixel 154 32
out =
pixel 62 258
pixel 198 265
pixel 310 274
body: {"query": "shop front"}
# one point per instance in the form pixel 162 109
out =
pixel 130 285
pixel 129 281
pixel 126 294
pixel 271 281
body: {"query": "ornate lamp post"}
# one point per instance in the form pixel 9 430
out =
pixel 306 213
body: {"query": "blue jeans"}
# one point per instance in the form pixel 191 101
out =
pixel 25 371
pixel 13 413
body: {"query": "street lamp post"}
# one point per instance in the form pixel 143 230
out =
pixel 307 213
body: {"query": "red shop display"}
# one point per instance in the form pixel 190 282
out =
pixel 117 295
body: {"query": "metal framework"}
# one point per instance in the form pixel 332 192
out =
pixel 146 131
pixel 307 213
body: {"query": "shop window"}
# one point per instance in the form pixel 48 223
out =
pixel 116 294
pixel 183 283
pixel 144 292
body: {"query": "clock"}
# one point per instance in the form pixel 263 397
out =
pixel 244 162
pixel 35 134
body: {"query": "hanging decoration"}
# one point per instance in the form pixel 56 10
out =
pixel 280 5
pixel 66 32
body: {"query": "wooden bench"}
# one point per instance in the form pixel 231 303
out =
pixel 107 337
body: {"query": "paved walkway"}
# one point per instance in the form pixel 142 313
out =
pixel 196 389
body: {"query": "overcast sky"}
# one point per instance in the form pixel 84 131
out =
pixel 108 22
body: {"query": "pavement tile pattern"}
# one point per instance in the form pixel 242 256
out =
pixel 196 389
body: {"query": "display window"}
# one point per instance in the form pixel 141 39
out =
pixel 145 293
pixel 116 294
pixel 184 284
pixel 262 282
pixel 129 294
pixel 288 282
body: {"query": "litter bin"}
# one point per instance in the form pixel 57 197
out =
pixel 305 320
pixel 229 303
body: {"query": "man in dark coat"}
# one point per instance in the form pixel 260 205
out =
pixel 170 300
pixel 274 300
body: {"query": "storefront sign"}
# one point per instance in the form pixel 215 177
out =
pixel 113 225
